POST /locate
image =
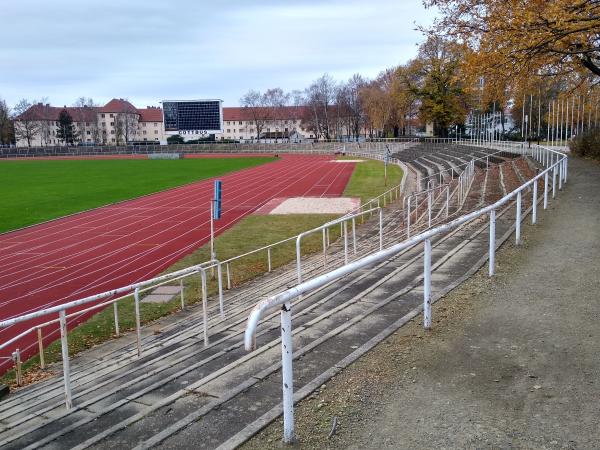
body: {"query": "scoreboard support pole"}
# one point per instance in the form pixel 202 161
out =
pixel 215 213
pixel 212 237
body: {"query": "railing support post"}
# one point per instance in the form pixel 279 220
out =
pixel 554 182
pixel 518 220
pixel 354 234
pixel 41 348
pixel 64 345
pixel 408 220
pixel 287 373
pixel 324 247
pixel 138 328
pixel 116 314
pixel 492 244
pixel 228 276
pixel 546 190
pixel 16 356
pixel 204 307
pixel 429 209
pixel 560 175
pixel 534 205
pixel 345 231
pixel 427 284
pixel 381 229
pixel 269 259
pixel 220 288
pixel 181 294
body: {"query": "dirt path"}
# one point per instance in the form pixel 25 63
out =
pixel 512 362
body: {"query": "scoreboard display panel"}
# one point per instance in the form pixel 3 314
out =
pixel 193 117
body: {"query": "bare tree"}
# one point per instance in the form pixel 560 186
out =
pixel 320 97
pixel 254 101
pixel 26 124
pixel 6 124
pixel 119 128
pixel 85 118
pixel 130 128
pixel 275 100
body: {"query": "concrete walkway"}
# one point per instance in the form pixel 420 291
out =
pixel 512 362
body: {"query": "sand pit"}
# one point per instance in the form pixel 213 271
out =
pixel 310 205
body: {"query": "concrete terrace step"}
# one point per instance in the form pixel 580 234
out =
pixel 122 400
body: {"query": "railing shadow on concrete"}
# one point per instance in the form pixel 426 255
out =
pixel 555 163
pixel 133 291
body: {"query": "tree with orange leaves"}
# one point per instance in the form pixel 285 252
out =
pixel 524 37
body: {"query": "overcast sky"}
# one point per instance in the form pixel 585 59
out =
pixel 148 51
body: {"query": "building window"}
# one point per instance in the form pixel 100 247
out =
pixel 87 124
pixel 145 138
pixel 112 140
pixel 144 131
pixel 155 124
pixel 112 131
pixel 112 124
pixel 89 132
pixel 155 131
pixel 228 130
pixel 103 116
pixel 144 124
pixel 111 115
pixel 240 123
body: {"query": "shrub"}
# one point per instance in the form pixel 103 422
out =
pixel 587 144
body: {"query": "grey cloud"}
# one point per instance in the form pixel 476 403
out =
pixel 150 50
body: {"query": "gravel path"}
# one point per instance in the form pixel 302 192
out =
pixel 512 362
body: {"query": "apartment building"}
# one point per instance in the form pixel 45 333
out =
pixel 262 124
pixel 116 123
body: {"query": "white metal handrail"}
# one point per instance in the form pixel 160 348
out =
pixel 325 227
pixel 104 299
pixel 283 299
pixel 136 289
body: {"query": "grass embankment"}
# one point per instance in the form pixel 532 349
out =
pixel 251 233
pixel 37 191
pixel 367 180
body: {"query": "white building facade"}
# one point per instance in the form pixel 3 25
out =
pixel 116 123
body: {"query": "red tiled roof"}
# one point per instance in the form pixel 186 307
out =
pixel 247 113
pixel 118 105
pixel 151 114
pixel 40 111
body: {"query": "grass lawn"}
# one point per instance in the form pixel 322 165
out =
pixel 36 191
pixel 264 230
pixel 367 180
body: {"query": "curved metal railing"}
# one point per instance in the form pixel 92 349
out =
pixel 554 162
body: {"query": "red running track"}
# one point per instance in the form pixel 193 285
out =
pixel 120 244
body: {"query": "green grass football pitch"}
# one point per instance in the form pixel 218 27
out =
pixel 35 191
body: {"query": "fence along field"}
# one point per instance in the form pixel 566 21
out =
pixel 244 192
pixel 558 169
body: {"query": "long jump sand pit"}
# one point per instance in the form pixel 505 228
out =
pixel 310 205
